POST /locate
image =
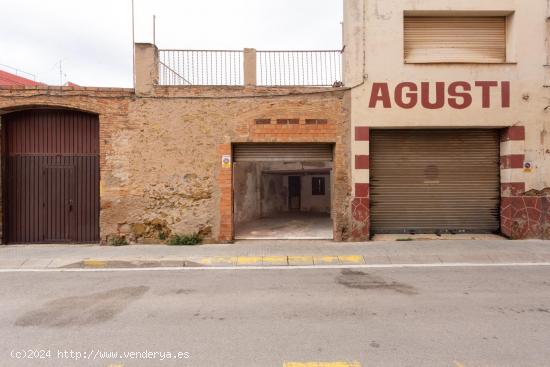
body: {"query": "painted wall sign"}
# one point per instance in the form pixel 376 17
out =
pixel 437 95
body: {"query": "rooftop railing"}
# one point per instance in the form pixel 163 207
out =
pixel 200 67
pixel 303 68
pixel 250 67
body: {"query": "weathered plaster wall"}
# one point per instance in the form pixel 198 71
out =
pixel 246 191
pixel 381 49
pixel 274 196
pixel 315 203
pixel 160 161
pixel 374 41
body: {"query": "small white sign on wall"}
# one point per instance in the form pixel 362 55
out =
pixel 226 161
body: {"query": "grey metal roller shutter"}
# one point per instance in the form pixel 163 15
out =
pixel 282 152
pixel 455 39
pixel 434 181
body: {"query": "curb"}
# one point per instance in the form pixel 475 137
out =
pixel 273 261
pixel 283 267
pixel 220 261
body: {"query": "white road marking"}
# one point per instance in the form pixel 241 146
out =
pixel 284 267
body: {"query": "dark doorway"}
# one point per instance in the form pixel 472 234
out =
pixel 294 193
pixel 52 177
pixel 282 191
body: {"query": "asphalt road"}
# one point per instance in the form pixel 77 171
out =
pixel 460 317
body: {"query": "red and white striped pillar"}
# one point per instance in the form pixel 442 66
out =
pixel 512 184
pixel 360 230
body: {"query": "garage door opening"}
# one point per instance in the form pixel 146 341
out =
pixel 435 181
pixel 282 191
pixel 51 176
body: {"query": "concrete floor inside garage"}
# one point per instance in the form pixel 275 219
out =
pixel 282 226
pixel 282 200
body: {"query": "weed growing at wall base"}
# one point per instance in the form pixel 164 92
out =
pixel 184 240
pixel 118 241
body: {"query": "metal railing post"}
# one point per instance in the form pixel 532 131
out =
pixel 249 66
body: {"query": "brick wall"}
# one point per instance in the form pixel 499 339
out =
pixel 160 155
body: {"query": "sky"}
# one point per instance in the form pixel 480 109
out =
pixel 92 39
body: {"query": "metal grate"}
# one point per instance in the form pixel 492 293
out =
pixel 200 67
pixel 300 68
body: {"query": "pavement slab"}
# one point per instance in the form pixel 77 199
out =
pixel 326 260
pixel 274 260
pixel 35 263
pixel 249 261
pixel 300 260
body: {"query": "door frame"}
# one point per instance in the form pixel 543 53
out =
pixel 290 209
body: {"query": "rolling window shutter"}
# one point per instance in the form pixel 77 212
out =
pixel 455 39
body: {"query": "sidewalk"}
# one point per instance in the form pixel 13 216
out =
pixel 275 253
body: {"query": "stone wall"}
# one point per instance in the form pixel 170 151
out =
pixel 525 217
pixel 160 154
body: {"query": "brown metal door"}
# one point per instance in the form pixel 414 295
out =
pixel 432 181
pixel 294 193
pixel 52 176
pixel 57 213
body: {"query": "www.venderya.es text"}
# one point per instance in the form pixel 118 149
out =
pixel 97 354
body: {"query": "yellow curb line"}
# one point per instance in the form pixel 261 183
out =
pixel 274 260
pixel 300 260
pixel 255 261
pixel 218 260
pixel 325 260
pixel 351 259
pixel 91 263
pixel 249 260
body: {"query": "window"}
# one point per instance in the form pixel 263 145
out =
pixel 454 39
pixel 317 186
